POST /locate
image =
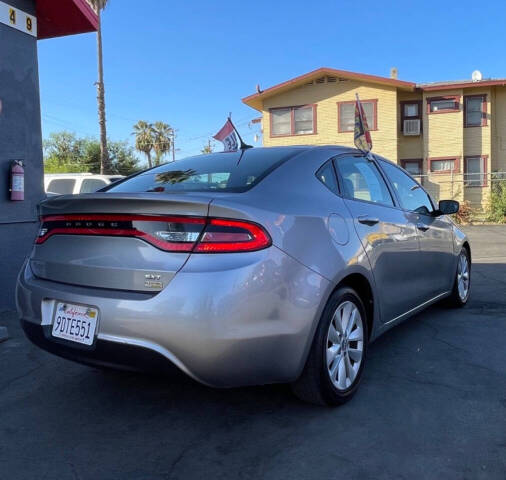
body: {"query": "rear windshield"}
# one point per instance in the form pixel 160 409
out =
pixel 223 172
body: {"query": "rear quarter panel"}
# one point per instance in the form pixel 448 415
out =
pixel 304 218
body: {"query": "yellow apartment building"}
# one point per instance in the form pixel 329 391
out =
pixel 452 135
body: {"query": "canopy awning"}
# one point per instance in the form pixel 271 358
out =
pixel 64 17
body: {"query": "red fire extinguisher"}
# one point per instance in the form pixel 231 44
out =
pixel 17 181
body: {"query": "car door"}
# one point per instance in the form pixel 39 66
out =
pixel 435 232
pixel 388 234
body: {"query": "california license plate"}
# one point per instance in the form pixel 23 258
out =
pixel 76 323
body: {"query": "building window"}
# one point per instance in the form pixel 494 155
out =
pixel 299 120
pixel 444 165
pixel 412 165
pixel 443 104
pixel 346 115
pixel 475 171
pixel 411 110
pixel 475 110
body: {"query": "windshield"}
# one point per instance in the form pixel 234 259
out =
pixel 223 172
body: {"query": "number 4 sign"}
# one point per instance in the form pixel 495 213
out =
pixel 16 18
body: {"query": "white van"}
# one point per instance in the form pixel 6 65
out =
pixel 73 183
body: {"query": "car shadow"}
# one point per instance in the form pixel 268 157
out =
pixel 178 389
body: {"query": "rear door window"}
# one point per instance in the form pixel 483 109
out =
pixel 61 186
pixel 327 176
pixel 221 172
pixel 361 180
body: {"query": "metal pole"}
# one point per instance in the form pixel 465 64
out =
pixel 173 134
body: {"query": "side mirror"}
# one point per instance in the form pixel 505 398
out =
pixel 448 207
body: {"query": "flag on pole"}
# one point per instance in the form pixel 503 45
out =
pixel 361 136
pixel 230 138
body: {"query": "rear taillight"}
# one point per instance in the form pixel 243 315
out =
pixel 169 233
pixel 221 235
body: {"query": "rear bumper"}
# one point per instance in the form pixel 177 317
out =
pixel 225 320
pixel 104 353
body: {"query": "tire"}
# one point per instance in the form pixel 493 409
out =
pixel 460 295
pixel 323 381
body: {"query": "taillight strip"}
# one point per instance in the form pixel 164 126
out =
pixel 167 246
pixel 217 235
pixel 124 218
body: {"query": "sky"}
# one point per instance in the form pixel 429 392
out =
pixel 189 63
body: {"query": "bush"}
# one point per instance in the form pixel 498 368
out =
pixel 498 201
pixel 465 213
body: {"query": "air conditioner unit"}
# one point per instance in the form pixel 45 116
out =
pixel 411 127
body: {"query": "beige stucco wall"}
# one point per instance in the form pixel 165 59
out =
pixel 326 96
pixel 443 134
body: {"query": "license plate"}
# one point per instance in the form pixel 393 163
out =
pixel 76 323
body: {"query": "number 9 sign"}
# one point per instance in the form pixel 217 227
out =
pixel 17 19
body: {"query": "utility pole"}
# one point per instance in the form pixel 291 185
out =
pixel 173 138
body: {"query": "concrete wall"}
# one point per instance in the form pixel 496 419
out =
pixel 20 139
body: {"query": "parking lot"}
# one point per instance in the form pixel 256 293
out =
pixel 432 405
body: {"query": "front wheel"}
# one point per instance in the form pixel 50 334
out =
pixel 462 282
pixel 336 361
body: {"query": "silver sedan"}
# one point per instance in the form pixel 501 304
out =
pixel 261 266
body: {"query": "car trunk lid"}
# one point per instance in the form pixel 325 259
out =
pixel 117 240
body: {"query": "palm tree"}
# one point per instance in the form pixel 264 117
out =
pixel 105 164
pixel 208 148
pixel 144 139
pixel 162 140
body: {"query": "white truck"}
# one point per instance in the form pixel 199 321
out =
pixel 74 183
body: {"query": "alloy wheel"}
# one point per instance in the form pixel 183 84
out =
pixel 463 276
pixel 345 345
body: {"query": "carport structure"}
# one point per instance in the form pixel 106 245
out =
pixel 22 24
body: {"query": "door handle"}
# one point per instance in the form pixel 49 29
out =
pixel 366 220
pixel 422 227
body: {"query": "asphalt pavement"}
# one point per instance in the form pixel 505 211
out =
pixel 432 405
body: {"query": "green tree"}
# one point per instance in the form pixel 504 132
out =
pixel 105 161
pixel 144 139
pixel 162 140
pixel 124 161
pixel 209 148
pixel 64 152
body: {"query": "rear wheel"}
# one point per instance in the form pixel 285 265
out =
pixel 335 363
pixel 462 282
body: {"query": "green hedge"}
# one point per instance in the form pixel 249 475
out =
pixel 498 201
